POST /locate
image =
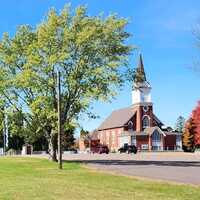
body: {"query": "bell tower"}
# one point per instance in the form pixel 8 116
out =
pixel 141 98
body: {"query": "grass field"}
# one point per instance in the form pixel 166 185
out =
pixel 31 178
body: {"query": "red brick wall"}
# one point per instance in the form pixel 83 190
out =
pixel 139 116
pixel 139 119
pixel 142 140
pixel 81 144
pixel 169 142
pixel 110 137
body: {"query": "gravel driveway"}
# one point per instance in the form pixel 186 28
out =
pixel 170 166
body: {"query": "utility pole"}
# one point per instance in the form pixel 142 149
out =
pixel 59 122
pixel 5 131
pixel 4 136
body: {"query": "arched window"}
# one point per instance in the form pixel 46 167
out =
pixel 145 122
pixel 156 140
pixel 156 137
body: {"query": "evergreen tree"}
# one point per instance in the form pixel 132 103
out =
pixel 188 136
pixel 179 126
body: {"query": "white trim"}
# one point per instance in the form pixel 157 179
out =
pixel 130 122
pixel 158 129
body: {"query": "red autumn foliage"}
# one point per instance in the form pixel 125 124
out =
pixel 196 118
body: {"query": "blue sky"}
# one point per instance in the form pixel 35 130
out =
pixel 163 31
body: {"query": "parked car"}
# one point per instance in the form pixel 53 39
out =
pixel 128 149
pixel 100 149
pixel 72 150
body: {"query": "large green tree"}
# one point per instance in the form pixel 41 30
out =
pixel 90 52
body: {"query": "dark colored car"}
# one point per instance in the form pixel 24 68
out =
pixel 128 149
pixel 100 149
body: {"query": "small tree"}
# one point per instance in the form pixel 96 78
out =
pixel 196 119
pixel 188 136
pixel 179 126
pixel 84 133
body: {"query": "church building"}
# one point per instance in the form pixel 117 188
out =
pixel 137 124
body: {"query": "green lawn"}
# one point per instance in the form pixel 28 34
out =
pixel 31 178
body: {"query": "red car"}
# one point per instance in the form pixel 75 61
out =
pixel 100 149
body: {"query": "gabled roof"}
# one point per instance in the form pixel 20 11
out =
pixel 118 118
pixel 172 133
pixel 150 130
pixel 94 134
pixel 157 120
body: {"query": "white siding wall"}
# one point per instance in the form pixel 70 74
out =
pixel 124 140
pixel 141 96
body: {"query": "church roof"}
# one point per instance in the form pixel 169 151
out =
pixel 172 133
pixel 94 135
pixel 157 120
pixel 118 118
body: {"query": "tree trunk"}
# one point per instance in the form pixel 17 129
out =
pixel 53 147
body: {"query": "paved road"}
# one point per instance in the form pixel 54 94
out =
pixel 171 166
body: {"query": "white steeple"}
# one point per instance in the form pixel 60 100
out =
pixel 141 92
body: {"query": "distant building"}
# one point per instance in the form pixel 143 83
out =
pixel 137 124
pixel 87 141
